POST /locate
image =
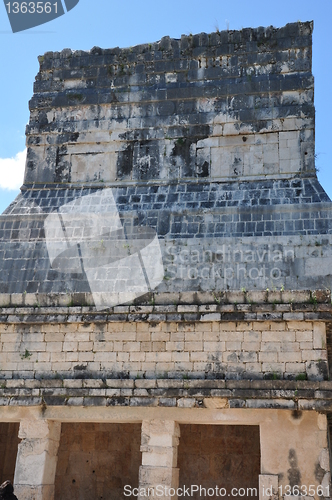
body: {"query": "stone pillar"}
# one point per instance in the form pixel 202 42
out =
pixel 159 446
pixel 268 487
pixel 36 459
pixel 285 438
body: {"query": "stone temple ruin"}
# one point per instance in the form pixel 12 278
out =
pixel 165 275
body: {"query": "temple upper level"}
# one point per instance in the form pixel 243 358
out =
pixel 225 106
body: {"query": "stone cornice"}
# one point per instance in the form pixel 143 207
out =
pixel 187 306
pixel 182 393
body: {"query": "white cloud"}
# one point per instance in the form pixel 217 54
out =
pixel 12 171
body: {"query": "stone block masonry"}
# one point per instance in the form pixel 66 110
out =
pixel 175 341
pixel 221 106
pixel 37 459
pixel 160 440
pixel 278 449
pixel 212 236
pixel 207 140
pixel 218 368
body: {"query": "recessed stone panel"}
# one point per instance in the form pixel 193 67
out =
pixel 220 456
pixel 97 460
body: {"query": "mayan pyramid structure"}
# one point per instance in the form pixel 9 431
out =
pixel 166 274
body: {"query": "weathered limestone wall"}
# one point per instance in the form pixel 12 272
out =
pixel 225 455
pixel 208 141
pixel 219 106
pixel 97 460
pixel 271 247
pixel 286 443
pixel 284 349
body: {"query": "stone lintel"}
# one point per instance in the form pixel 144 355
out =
pixel 167 393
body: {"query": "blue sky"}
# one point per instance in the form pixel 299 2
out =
pixel 107 24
